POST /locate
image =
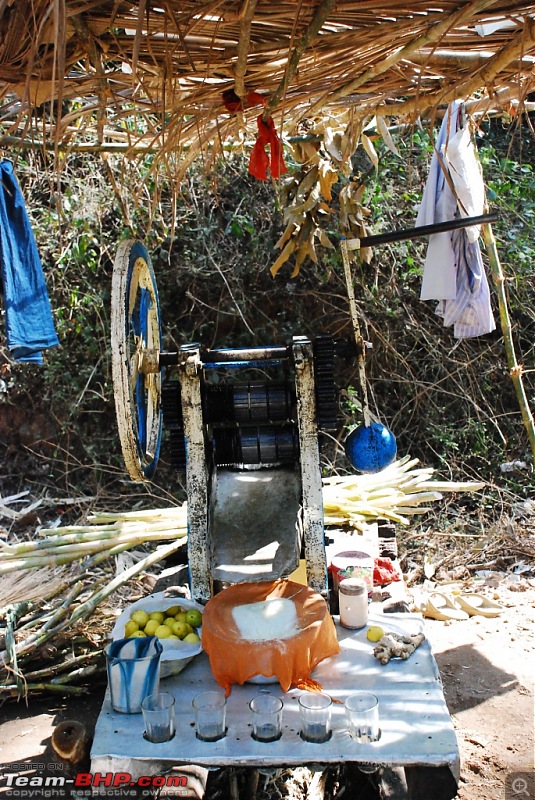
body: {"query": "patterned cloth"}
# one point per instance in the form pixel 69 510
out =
pixel 453 270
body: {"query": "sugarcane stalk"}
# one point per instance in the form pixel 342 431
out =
pixel 515 369
pixel 144 514
pixel 44 633
pixel 11 690
pixel 127 528
pixel 85 609
pixel 37 561
pixel 39 618
pixel 452 486
pixel 62 667
pixel 114 527
pixel 63 609
pixel 76 543
pixel 11 619
pixel 82 672
pixel 98 558
pixel 60 555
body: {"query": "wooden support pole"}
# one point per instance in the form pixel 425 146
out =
pixel 515 369
pixel 322 12
pixel 524 40
pixel 83 147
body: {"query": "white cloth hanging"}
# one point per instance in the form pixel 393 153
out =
pixel 453 270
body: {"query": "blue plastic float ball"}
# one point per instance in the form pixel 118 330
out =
pixel 372 448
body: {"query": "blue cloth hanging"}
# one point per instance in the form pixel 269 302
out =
pixel 29 322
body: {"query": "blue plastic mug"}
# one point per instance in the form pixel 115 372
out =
pixel 133 667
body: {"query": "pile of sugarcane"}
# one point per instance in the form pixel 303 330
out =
pixel 45 610
pixel 46 605
pixel 395 493
pixel 105 535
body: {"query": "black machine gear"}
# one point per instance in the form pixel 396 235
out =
pixel 253 422
pixel 326 393
pixel 173 422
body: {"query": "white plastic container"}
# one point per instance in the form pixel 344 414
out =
pixel 353 602
pixel 355 564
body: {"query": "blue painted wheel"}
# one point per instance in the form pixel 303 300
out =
pixel 136 343
pixel 372 448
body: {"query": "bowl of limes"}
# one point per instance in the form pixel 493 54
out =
pixel 175 621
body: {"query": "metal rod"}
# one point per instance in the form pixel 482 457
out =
pixel 214 358
pixel 426 230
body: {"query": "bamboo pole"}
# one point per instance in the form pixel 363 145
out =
pixel 246 19
pixel 84 147
pixel 483 78
pixel 322 12
pixel 515 369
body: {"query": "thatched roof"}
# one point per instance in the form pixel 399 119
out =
pixel 171 60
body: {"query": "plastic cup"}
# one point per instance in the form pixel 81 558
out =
pixel 315 714
pixel 133 667
pixel 210 712
pixel 362 714
pixel 266 711
pixel 159 717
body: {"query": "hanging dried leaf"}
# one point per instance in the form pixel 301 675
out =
pixel 332 143
pixel 301 255
pixel 351 137
pixel 306 198
pixel 290 228
pixel 370 150
pixel 284 256
pixel 308 203
pixel 288 190
pixel 382 127
pixel 311 153
pixel 328 176
pixel 324 240
pixel 306 184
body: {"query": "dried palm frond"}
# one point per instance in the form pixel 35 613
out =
pixel 75 74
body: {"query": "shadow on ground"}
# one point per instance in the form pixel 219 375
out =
pixel 470 678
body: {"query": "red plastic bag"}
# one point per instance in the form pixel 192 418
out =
pixel 385 571
pixel 260 161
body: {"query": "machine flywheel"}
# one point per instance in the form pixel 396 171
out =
pixel 136 342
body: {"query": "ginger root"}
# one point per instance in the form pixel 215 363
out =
pixel 392 645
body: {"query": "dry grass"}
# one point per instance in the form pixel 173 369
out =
pixel 165 65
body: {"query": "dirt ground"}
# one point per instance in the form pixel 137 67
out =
pixel 487 670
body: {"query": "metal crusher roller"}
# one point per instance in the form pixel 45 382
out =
pixel 249 447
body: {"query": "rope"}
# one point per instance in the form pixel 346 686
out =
pixel 361 345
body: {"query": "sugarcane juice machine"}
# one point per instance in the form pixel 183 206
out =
pixel 249 446
pixel 244 424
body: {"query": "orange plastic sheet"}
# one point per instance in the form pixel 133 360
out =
pixel 236 660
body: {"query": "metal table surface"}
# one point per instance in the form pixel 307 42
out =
pixel 416 727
